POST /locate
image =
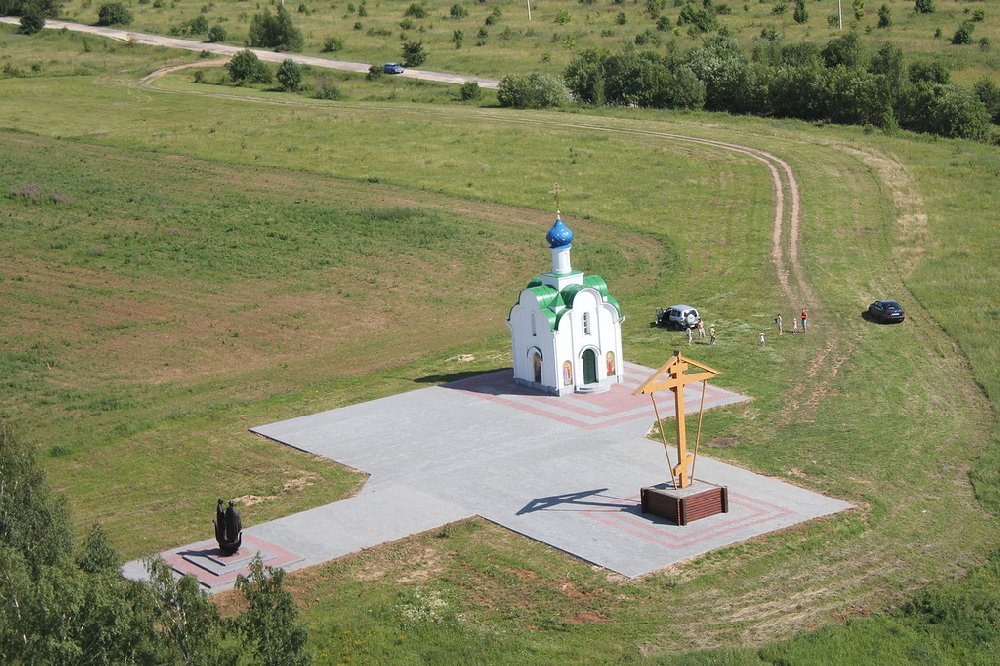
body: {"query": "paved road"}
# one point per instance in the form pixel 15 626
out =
pixel 229 50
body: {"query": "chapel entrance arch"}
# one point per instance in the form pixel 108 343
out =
pixel 536 364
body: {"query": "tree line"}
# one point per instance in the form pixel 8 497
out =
pixel 840 82
pixel 63 602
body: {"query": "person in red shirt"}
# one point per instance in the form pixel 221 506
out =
pixel 805 321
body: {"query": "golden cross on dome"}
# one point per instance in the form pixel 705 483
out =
pixel 556 191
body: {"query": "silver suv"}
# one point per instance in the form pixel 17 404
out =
pixel 678 316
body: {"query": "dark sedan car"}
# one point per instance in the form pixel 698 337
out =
pixel 887 312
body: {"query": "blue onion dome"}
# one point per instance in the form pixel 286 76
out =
pixel 559 235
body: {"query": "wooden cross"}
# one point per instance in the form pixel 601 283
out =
pixel 671 376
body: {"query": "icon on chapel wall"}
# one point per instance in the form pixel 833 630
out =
pixel 611 363
pixel 567 373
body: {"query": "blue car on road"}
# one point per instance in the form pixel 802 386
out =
pixel 392 68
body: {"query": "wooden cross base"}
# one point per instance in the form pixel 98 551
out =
pixel 700 500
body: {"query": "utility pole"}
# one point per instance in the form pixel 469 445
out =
pixel 840 15
pixel 529 10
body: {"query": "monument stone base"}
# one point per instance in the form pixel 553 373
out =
pixel 681 506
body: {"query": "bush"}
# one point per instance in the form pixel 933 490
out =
pixel 113 13
pixel 374 73
pixel 289 75
pixel 702 19
pixel 563 17
pixel 32 20
pixel 325 89
pixel 413 54
pixel 48 8
pixel 199 26
pixel 274 31
pixel 458 11
pixel 470 90
pixel 924 6
pixel 332 44
pixel 416 11
pixel 537 90
pixel 246 67
pixel 858 7
pixel 884 17
pixel 217 34
pixel 988 93
pixel 958 113
pixel 964 33
pixel 800 14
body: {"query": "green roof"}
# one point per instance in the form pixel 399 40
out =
pixel 553 304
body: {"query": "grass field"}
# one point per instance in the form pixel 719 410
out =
pixel 177 268
pixel 374 31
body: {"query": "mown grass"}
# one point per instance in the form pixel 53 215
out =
pixel 669 221
pixel 515 44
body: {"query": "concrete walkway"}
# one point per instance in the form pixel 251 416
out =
pixel 230 50
pixel 564 471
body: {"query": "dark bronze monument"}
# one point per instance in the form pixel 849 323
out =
pixel 228 528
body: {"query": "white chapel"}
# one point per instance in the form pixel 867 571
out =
pixel 566 329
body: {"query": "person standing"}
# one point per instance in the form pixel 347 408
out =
pixel 762 338
pixel 795 325
pixel 701 329
pixel 687 330
pixel 778 323
pixel 711 334
pixel 805 320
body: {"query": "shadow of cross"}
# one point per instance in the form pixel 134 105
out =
pixel 575 499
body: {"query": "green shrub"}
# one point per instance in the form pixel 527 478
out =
pixel 32 20
pixel 416 11
pixel 246 67
pixel 325 88
pixel 964 33
pixel 800 15
pixel 563 17
pixel 988 93
pixel 414 54
pixel 458 11
pixel 470 90
pixel 332 44
pixel 289 75
pixel 858 7
pixel 923 6
pixel 217 34
pixel 114 13
pixel 274 31
pixel 884 17
pixel 374 73
pixel 537 90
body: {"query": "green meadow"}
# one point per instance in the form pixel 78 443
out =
pixel 182 261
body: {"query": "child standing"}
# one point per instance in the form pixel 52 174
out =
pixel 687 330
pixel 778 323
pixel 711 334
pixel 762 338
pixel 805 320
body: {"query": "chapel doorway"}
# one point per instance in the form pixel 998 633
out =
pixel 589 366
